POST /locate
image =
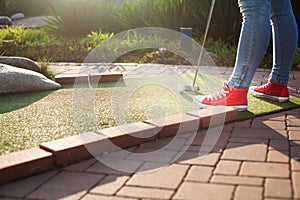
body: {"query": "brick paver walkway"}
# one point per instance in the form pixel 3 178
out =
pixel 147 70
pixel 252 159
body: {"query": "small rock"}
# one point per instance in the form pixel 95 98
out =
pixel 212 55
pixel 20 62
pixel 17 16
pixel 5 21
pixel 13 79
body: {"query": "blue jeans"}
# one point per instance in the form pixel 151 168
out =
pixel 258 15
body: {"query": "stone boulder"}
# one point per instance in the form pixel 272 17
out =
pixel 5 21
pixel 20 62
pixel 13 79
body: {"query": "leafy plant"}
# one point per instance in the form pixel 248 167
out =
pixel 44 68
pixel 28 37
pixel 95 38
pixel 225 53
pixel 9 33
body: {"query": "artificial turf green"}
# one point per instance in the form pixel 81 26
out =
pixel 29 119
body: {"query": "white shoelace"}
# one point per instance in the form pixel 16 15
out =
pixel 218 95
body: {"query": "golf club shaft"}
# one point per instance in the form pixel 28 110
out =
pixel 204 39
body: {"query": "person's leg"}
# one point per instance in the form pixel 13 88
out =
pixel 253 42
pixel 285 34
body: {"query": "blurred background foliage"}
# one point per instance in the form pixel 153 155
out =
pixel 79 17
pixel 91 21
pixel 76 18
pixel 28 7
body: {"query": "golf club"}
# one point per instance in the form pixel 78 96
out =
pixel 193 88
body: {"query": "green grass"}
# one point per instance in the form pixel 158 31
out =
pixel 258 107
pixel 29 119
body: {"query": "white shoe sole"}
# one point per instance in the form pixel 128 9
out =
pixel 262 95
pixel 238 108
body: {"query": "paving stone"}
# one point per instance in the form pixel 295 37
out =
pixel 121 153
pixel 192 158
pixel 240 124
pixel 66 184
pixel 250 152
pixel 176 124
pixel 226 128
pixel 237 180
pixel 257 133
pixel 295 112
pixel 151 155
pixel 81 166
pixel 152 193
pixel 189 190
pixel 114 166
pixel 293 121
pixel 296 184
pixel 273 117
pixel 100 168
pixel 70 78
pixel 79 77
pixel 76 148
pixel 110 185
pixel 279 145
pixel 214 137
pixel 167 177
pixel 100 197
pixel 23 187
pixel 249 140
pixel 295 151
pixel 199 174
pixel 294 135
pixel 215 116
pixel 293 128
pixel 278 188
pixel 278 156
pixel 24 163
pixel 295 164
pixel 128 135
pixel 260 169
pixel 227 167
pixel 196 148
pixel 170 143
pixel 248 193
pixel 276 125
pixel 295 142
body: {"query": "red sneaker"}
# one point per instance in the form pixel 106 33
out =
pixel 271 91
pixel 231 97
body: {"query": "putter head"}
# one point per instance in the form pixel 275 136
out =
pixel 182 88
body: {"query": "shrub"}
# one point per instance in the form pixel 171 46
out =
pixel 94 39
pixel 77 18
pixel 167 14
pixel 28 7
pixel 28 37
